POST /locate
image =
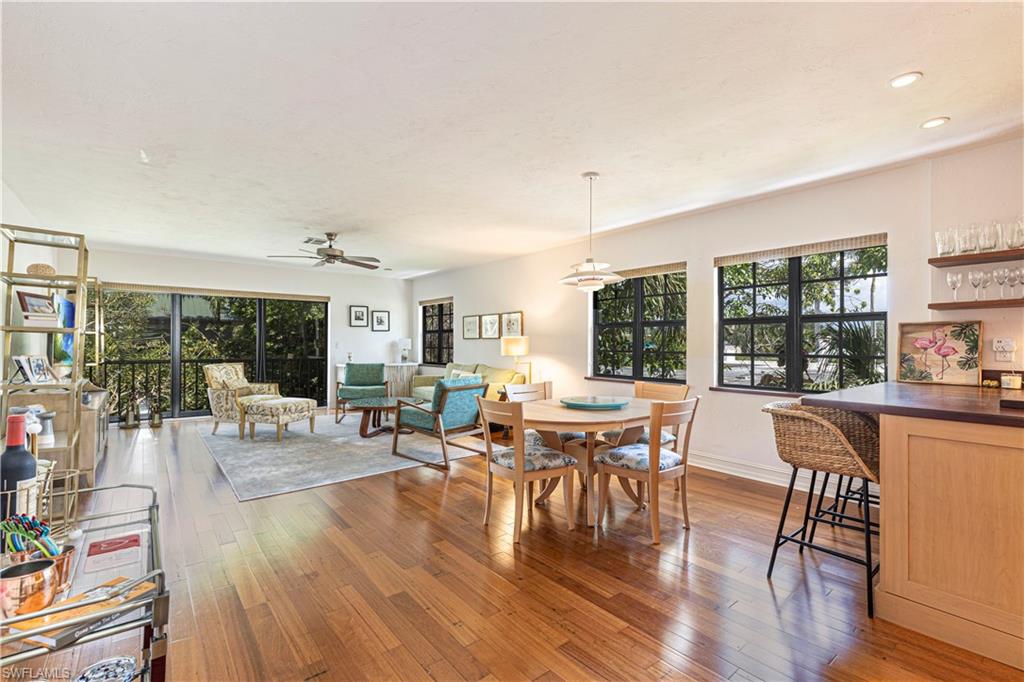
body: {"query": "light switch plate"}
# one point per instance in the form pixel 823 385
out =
pixel 1003 343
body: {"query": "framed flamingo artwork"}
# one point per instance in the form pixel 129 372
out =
pixel 940 353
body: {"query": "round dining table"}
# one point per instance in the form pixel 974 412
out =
pixel 549 417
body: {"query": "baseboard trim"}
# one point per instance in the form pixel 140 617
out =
pixel 773 475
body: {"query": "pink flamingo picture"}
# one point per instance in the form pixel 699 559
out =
pixel 944 352
pixel 925 344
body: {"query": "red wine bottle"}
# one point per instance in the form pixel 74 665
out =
pixel 17 467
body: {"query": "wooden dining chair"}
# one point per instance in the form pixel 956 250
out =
pixel 653 390
pixel 650 463
pixel 524 393
pixel 526 461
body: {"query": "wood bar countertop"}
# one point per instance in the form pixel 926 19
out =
pixel 928 401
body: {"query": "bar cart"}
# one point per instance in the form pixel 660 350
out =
pixel 148 614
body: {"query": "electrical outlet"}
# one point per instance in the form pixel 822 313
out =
pixel 1003 343
pixel 1004 356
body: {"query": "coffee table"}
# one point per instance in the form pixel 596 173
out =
pixel 374 408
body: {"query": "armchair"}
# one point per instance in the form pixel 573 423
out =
pixel 362 380
pixel 453 409
pixel 229 392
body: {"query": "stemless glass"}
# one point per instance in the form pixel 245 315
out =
pixel 1015 234
pixel 989 235
pixel 945 243
pixel 967 239
pixel 986 281
pixel 974 277
pixel 1001 274
pixel 954 280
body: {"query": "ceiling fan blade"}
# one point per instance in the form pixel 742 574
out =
pixel 364 259
pixel 314 257
pixel 349 261
pixel 320 264
pixel 308 251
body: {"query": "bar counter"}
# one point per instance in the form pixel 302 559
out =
pixel 952 512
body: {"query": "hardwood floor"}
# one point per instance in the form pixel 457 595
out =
pixel 394 577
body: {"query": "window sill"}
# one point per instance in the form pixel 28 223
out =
pixel 628 380
pixel 756 391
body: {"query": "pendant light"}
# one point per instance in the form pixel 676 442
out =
pixel 588 275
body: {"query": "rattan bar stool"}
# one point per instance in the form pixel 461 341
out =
pixel 832 442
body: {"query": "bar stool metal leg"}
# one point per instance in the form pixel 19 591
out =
pixel 807 510
pixel 782 521
pixel 870 569
pixel 817 509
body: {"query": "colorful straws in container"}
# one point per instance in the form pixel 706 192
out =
pixel 27 532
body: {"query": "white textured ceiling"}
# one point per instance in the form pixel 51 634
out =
pixel 437 135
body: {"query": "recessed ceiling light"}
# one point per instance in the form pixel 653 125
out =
pixel 935 122
pixel 905 79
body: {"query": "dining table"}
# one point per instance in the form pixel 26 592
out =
pixel 550 417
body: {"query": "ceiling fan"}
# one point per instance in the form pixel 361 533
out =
pixel 328 254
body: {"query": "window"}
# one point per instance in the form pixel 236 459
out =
pixel 804 323
pixel 437 333
pixel 640 328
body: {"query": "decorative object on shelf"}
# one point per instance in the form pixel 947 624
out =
pixel 381 321
pixel 940 353
pixel 588 275
pixel 512 323
pixel 595 402
pixel 471 326
pixel 35 368
pixel 516 347
pixel 36 306
pixel 404 346
pixel 44 269
pixel 359 316
pixel 1011 380
pixel 490 326
pixel 46 436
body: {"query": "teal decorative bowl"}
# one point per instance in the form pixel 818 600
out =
pixel 595 402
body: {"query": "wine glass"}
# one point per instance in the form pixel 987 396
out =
pixel 986 281
pixel 988 236
pixel 954 280
pixel 974 277
pixel 1012 278
pixel 1001 274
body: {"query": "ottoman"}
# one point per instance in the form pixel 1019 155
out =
pixel 280 411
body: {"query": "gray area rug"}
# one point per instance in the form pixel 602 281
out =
pixel 334 453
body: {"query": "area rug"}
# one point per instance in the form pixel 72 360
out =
pixel 334 453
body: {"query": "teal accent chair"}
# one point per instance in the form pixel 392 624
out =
pixel 362 380
pixel 453 410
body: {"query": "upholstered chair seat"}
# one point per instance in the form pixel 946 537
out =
pixel 636 456
pixel 536 458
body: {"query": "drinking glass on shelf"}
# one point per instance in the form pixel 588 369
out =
pixel 1015 234
pixel 989 235
pixel 1013 278
pixel 954 280
pixel 1000 275
pixel 945 242
pixel 986 281
pixel 967 239
pixel 974 277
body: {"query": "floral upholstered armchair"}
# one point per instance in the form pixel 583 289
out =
pixel 229 392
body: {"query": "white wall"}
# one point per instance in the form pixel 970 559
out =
pixel 731 433
pixel 343 289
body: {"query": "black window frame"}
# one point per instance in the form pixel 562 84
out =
pixel 794 321
pixel 446 352
pixel 637 325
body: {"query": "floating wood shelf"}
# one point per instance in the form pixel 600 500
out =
pixel 978 305
pixel 977 258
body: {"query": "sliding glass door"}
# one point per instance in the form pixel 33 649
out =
pixel 156 345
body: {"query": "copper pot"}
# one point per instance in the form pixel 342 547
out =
pixel 62 565
pixel 27 587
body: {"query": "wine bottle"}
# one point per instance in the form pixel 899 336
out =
pixel 17 469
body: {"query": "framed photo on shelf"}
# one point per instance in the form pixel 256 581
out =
pixel 35 368
pixel 490 326
pixel 36 306
pixel 381 320
pixel 940 353
pixel 471 326
pixel 512 323
pixel 358 316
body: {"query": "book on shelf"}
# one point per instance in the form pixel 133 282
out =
pixel 59 637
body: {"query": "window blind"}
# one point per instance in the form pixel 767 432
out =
pixel 847 244
pixel 202 291
pixel 649 270
pixel 436 301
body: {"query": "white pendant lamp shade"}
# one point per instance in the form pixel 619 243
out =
pixel 590 275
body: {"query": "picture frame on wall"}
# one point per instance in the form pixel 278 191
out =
pixel 471 326
pixel 490 326
pixel 358 316
pixel 512 324
pixel 940 353
pixel 380 321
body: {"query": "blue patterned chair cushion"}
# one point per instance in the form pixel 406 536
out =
pixel 357 392
pixel 637 457
pixel 536 459
pixel 410 416
pixel 364 374
pixel 613 435
pixel 566 436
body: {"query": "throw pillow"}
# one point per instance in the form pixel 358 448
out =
pixel 458 373
pixel 236 383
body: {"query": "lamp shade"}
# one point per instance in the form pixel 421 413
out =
pixel 515 346
pixel 404 344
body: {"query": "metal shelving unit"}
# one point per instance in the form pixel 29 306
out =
pixel 71 390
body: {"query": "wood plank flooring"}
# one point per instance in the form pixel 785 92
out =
pixel 394 577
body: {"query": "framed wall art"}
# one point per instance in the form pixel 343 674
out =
pixel 940 353
pixel 512 324
pixel 381 321
pixel 490 326
pixel 471 326
pixel 358 316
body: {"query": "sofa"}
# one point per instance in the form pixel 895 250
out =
pixel 494 377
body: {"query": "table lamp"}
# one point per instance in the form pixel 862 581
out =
pixel 516 347
pixel 405 345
